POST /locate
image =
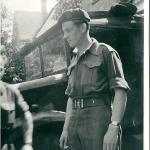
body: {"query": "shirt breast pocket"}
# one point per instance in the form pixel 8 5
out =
pixel 91 69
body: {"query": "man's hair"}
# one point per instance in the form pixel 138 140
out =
pixel 80 22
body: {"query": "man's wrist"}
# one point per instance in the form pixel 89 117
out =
pixel 65 130
pixel 113 129
pixel 28 143
pixel 115 123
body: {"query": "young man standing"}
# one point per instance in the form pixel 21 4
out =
pixel 96 80
pixel 10 100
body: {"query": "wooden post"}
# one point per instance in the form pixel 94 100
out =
pixel 41 60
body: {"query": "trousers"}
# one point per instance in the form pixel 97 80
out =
pixel 87 127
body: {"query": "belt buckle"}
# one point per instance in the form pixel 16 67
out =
pixel 79 103
pixel 75 103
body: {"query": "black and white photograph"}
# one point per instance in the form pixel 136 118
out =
pixel 74 75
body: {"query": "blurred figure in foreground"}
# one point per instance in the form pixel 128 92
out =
pixel 10 100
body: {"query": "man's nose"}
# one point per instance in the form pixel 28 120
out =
pixel 65 36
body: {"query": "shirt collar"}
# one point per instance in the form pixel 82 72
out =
pixel 94 47
pixel 91 47
pixel 75 51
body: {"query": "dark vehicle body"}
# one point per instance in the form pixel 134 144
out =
pixel 45 90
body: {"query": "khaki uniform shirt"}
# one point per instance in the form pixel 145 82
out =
pixel 96 71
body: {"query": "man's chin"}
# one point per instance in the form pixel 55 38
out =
pixel 72 46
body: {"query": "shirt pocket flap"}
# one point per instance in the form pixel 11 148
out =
pixel 92 63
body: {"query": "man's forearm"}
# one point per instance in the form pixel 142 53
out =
pixel 28 127
pixel 119 104
pixel 68 113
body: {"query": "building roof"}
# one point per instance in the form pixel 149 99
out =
pixel 27 23
pixel 50 21
pixel 90 6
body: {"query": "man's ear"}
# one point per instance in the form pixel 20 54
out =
pixel 83 27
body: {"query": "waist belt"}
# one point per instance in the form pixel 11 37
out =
pixel 83 103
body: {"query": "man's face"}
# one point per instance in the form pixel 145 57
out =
pixel 72 33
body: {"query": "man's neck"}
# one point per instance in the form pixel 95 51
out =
pixel 84 44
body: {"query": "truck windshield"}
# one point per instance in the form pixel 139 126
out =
pixel 33 65
pixel 53 53
pixel 46 59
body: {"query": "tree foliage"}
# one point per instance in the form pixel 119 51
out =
pixel 15 68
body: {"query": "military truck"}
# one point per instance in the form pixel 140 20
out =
pixel 47 58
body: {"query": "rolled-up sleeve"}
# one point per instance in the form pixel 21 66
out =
pixel 68 90
pixel 114 70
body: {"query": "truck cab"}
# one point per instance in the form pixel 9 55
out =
pixel 46 60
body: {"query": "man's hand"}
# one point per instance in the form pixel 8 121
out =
pixel 111 138
pixel 63 140
pixel 27 147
